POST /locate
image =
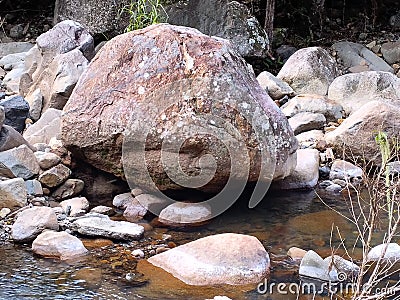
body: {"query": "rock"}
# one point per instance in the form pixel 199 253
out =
pixel 47 127
pixel 394 167
pixel 355 136
pixel 10 138
pixel 285 51
pixel 47 160
pixel 123 200
pixel 34 188
pixel 296 253
pixel 306 173
pixel 14 47
pixel 17 31
pixel 346 171
pixel 230 20
pixel 35 100
pixel 70 188
pixel 309 71
pixel 134 211
pixel 152 203
pixel 275 87
pixel 309 139
pixel 31 222
pixel 60 245
pixel 392 252
pixel 12 80
pixel 55 176
pixel 314 104
pixel 138 253
pixel 353 54
pixel 391 52
pixel 57 81
pixel 228 258
pixel 21 161
pixel 2 116
pixel 13 61
pixel 354 90
pixel 16 110
pixel 81 133
pixel 345 269
pixel 180 213
pixel 98 17
pixel 13 193
pixel 104 210
pixel 312 265
pixel 4 212
pixel 78 206
pixel 101 225
pixel 306 121
pixel 334 188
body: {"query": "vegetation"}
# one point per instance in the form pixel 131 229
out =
pixel 143 13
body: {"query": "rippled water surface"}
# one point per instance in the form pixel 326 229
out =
pixel 109 271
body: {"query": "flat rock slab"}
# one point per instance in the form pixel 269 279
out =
pixel 14 47
pixel 101 225
pixel 227 258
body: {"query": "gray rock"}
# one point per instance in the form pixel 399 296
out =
pixel 47 127
pixel 180 213
pixel 355 136
pixel 13 193
pixel 391 52
pixel 17 31
pixel 32 221
pixel 226 19
pixel 152 203
pixel 134 211
pixel 16 110
pixel 275 87
pixel 353 55
pixel 123 200
pixel 306 121
pixel 10 138
pixel 13 61
pixel 346 171
pixel 101 225
pixel 47 160
pixel 21 161
pixel 12 80
pixel 346 269
pixel 60 245
pixel 285 51
pixel 314 104
pixel 334 188
pixel 34 187
pixel 354 90
pixel 306 173
pixel 2 116
pixel 4 212
pixel 76 206
pixel 55 176
pixel 392 252
pixel 70 188
pixel 14 47
pixel 309 71
pixel 228 258
pixel 394 167
pixel 312 265
pixel 98 16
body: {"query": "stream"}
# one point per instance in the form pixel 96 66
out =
pixel 109 271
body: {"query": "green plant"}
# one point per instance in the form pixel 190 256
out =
pixel 143 13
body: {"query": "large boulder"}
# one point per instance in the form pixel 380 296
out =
pixel 46 128
pixel 21 161
pixel 356 135
pixel 230 20
pixel 227 258
pixel 354 90
pixel 13 193
pixel 174 84
pixel 16 110
pixel 309 71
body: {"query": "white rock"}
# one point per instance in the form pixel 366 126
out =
pixel 309 139
pixel 185 213
pixel 392 252
pixel 101 225
pixel 55 176
pixel 78 206
pixel 32 221
pixel 344 170
pixel 312 265
pixel 48 126
pixel 275 87
pixel 122 200
pixel 58 244
pixel 47 160
pixel 306 121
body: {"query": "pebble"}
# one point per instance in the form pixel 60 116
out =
pixel 138 253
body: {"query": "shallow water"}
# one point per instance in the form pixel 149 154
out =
pixel 109 271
